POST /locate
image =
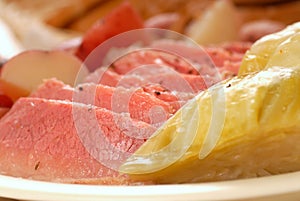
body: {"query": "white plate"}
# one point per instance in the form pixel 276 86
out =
pixel 285 187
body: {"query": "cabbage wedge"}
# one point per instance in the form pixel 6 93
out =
pixel 280 49
pixel 247 126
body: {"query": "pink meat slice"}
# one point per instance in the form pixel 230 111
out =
pixel 178 56
pixel 153 74
pixel 226 57
pixel 144 57
pixel 192 63
pixel 144 79
pixel 219 56
pixel 105 76
pixel 180 83
pixel 165 76
pixel 175 99
pixel 165 94
pixel 154 83
pixel 54 140
pixel 237 47
pixel 54 89
pixel 139 104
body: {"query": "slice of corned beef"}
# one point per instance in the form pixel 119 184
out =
pixel 200 67
pixel 150 81
pixel 103 76
pixel 61 141
pixel 53 89
pixel 139 104
pixel 147 74
pixel 165 76
pixel 152 74
pixel 179 82
pixel 238 47
pixel 225 57
pixel 142 57
pixel 167 95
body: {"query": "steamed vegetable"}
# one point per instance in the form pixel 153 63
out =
pixel 281 48
pixel 246 126
pixel 231 131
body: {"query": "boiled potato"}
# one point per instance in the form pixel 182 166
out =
pixel 218 24
pixel 23 73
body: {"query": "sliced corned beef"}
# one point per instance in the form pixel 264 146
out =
pixel 103 76
pixel 142 57
pixel 54 89
pixel 225 57
pixel 153 74
pixel 167 95
pixel 82 134
pixel 52 140
pixel 139 104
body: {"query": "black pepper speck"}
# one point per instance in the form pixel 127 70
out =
pixel 37 165
pixel 157 93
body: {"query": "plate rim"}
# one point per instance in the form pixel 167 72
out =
pixel 19 188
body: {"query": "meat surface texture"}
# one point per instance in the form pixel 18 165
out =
pixel 139 104
pixel 57 141
pixel 83 134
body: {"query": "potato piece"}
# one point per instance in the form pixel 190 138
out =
pixel 218 24
pixel 12 91
pixel 259 135
pixel 10 46
pixel 121 19
pixel 24 72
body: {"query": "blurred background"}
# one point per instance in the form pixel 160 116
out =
pixel 46 23
pixel 78 15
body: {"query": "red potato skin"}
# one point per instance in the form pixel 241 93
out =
pixel 12 91
pixel 2 62
pixel 32 60
pixel 123 18
pixel 5 100
pixel 3 111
